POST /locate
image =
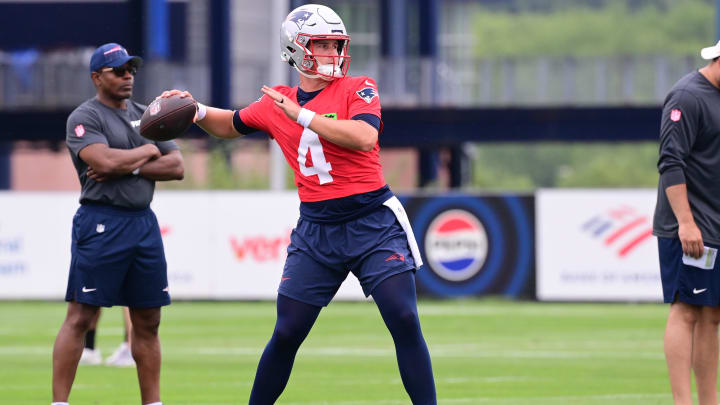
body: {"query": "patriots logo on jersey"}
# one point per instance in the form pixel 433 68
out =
pixel 367 94
pixel 300 17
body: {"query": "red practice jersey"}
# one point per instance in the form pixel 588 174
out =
pixel 323 170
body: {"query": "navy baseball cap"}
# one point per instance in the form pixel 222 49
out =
pixel 112 55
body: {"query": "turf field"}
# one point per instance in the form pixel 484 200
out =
pixel 484 352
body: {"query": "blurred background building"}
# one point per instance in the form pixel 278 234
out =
pixel 511 128
pixel 520 135
pixel 476 69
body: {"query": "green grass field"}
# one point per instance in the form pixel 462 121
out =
pixel 484 352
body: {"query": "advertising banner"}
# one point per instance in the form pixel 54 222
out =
pixel 35 231
pixel 230 244
pixel 596 245
pixel 474 245
pixel 218 245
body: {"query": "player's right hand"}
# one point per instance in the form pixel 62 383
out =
pixel 170 93
pixel 691 239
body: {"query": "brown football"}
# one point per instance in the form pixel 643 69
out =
pixel 167 118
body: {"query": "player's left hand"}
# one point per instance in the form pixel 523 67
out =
pixel 182 94
pixel 285 103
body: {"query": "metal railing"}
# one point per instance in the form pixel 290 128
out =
pixel 60 79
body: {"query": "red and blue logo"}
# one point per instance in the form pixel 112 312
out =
pixel 621 229
pixel 456 245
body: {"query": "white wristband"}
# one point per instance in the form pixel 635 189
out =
pixel 201 111
pixel 305 116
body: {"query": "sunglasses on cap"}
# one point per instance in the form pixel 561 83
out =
pixel 121 70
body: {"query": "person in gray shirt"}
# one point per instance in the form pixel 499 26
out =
pixel 117 251
pixel 687 224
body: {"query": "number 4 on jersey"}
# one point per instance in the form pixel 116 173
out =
pixel 310 142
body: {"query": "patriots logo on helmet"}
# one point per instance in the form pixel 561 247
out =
pixel 300 17
pixel 367 94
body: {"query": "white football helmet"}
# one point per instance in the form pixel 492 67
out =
pixel 308 23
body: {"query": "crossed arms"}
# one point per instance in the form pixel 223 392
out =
pixel 106 163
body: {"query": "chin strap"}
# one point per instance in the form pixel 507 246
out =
pixel 306 74
pixel 312 76
pixel 330 70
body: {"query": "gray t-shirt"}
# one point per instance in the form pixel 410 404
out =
pixel 94 122
pixel 690 154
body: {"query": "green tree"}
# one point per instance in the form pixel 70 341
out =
pixel 678 28
pixel 529 166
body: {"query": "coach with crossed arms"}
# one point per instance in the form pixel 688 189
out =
pixel 687 224
pixel 117 251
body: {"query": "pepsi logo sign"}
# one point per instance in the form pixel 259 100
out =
pixel 456 245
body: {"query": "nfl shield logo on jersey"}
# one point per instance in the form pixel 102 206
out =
pixel 367 94
pixel 79 131
pixel 675 115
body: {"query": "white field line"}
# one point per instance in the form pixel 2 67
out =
pixel 438 380
pixel 385 381
pixel 487 400
pixel 476 400
pixel 562 311
pixel 106 331
pixel 445 351
pixel 449 352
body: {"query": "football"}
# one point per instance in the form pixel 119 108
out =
pixel 167 118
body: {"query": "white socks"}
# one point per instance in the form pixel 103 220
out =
pixel 156 403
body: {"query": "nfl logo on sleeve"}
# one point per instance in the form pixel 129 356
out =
pixel 79 131
pixel 675 115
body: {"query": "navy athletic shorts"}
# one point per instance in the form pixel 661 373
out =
pixel 320 256
pixel 117 258
pixel 691 285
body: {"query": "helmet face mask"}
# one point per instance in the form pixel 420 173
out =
pixel 340 60
pixel 302 28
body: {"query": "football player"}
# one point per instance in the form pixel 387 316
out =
pixel 350 221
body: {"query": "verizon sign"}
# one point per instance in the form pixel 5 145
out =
pixel 218 245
